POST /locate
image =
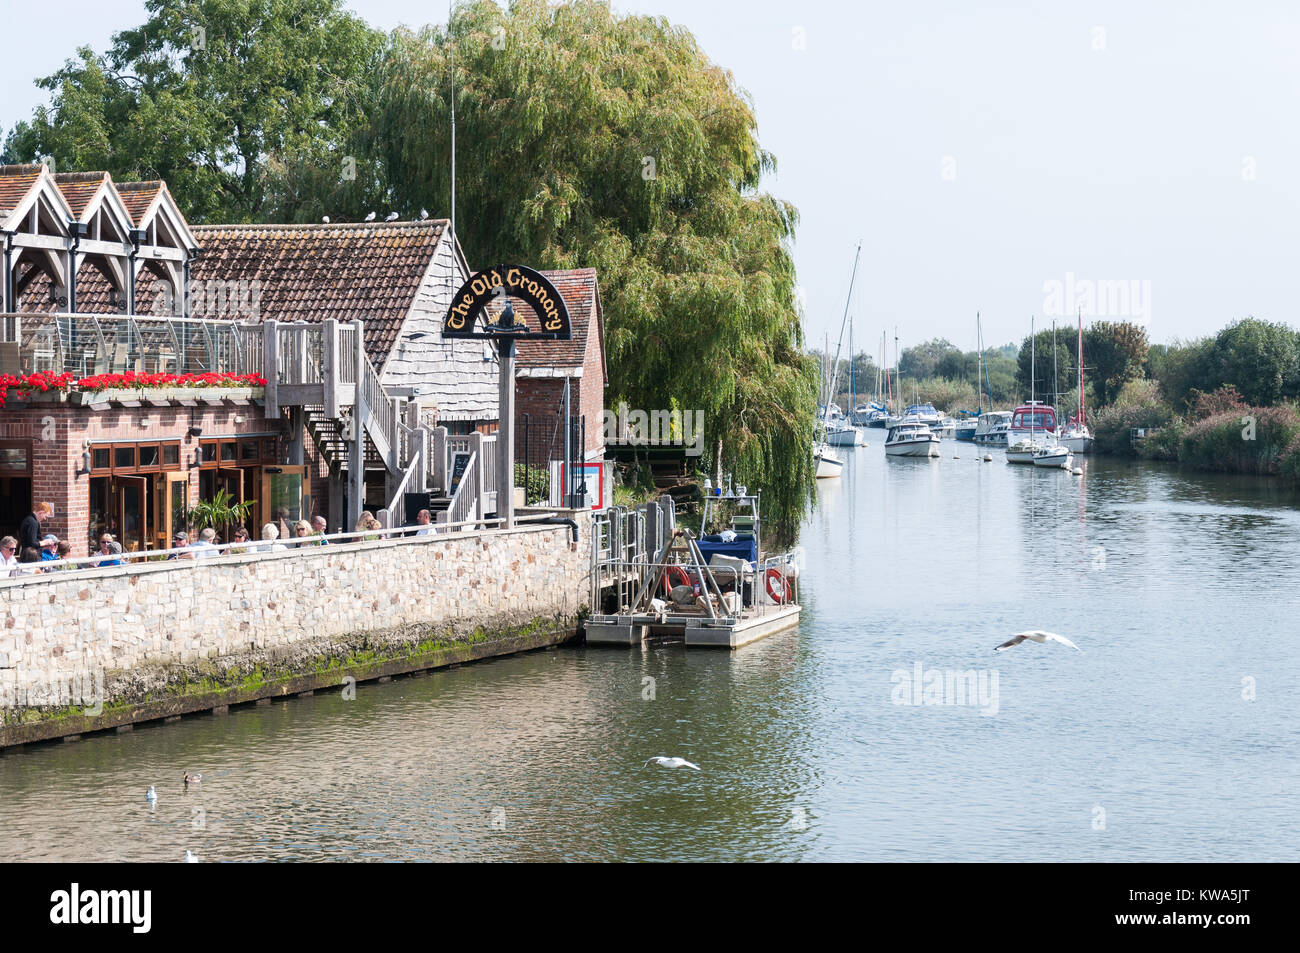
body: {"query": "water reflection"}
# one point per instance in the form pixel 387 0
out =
pixel 1176 586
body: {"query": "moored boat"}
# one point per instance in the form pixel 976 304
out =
pixel 829 465
pixel 1054 456
pixel 1023 451
pixel 911 439
pixel 991 428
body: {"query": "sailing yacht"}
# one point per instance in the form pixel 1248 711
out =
pixel 1030 420
pixel 832 427
pixel 1076 434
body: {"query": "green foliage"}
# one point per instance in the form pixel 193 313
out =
pixel 945 394
pixel 1251 442
pixel 219 511
pixel 923 360
pixel 1114 353
pixel 588 138
pixel 238 106
pixel 539 483
pixel 1044 369
pixel 1140 407
pixel 1260 359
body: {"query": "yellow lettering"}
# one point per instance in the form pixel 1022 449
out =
pixel 512 277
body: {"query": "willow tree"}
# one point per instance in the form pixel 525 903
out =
pixel 587 138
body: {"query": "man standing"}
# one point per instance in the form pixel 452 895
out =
pixel 29 530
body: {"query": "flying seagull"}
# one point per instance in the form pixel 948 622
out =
pixel 669 763
pixel 1036 635
pixel 392 217
pixel 370 217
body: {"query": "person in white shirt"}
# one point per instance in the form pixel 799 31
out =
pixel 424 519
pixel 10 561
pixel 206 545
pixel 271 532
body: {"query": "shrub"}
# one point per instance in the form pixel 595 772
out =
pixel 1253 441
pixel 1223 400
pixel 1112 426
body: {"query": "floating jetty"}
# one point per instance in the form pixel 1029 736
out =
pixel 654 581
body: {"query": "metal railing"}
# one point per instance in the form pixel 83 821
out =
pixel 347 370
pixel 383 420
pixel 90 344
pixel 466 498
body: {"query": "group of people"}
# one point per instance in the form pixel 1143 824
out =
pixel 23 555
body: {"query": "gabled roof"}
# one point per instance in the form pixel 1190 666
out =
pixel 367 270
pixel 79 188
pixel 581 293
pixel 138 197
pixel 16 182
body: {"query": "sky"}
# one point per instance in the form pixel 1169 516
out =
pixel 1135 161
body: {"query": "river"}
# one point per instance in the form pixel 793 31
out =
pixel 1172 736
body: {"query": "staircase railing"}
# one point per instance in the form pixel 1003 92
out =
pixel 381 420
pixel 465 500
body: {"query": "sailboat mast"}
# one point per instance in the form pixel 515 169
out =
pixel 1056 377
pixel 979 363
pixel 1080 352
pixel 839 345
pixel 1032 412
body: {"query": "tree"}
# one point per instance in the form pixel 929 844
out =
pixel 1052 373
pixel 922 360
pixel 1261 359
pixel 588 138
pixel 1114 353
pixel 237 106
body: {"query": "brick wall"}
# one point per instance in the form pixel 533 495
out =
pixel 59 432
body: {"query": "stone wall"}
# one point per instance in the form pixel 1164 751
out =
pixel 74 627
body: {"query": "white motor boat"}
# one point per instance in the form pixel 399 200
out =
pixel 844 435
pixel 1054 456
pixel 828 462
pixel 946 428
pixel 911 439
pixel 1023 451
pixel 991 428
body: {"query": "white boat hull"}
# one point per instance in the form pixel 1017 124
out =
pixel 913 448
pixel 1078 444
pixel 828 464
pixel 848 437
pixel 1058 457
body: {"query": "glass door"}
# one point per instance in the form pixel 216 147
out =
pixel 131 504
pixel 175 493
pixel 284 497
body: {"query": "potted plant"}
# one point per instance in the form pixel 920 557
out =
pixel 219 512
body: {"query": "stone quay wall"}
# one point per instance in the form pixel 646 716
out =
pixel 230 628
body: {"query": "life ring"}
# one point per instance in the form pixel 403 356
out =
pixel 774 579
pixel 676 576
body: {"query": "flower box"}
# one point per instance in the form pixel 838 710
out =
pixel 155 396
pixel 84 397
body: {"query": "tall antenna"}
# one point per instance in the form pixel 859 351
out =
pixel 451 59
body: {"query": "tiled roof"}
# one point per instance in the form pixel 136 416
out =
pixel 137 196
pixel 581 293
pixel 79 188
pixel 369 271
pixel 15 182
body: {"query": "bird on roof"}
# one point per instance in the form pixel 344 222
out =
pixel 1035 635
pixel 325 219
pixel 669 763
pixel 424 213
pixel 370 217
pixel 392 217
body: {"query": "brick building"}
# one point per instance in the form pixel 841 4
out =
pixel 543 367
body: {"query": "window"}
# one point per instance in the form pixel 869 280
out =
pixel 171 455
pixel 148 456
pixel 101 458
pixel 209 452
pixel 250 450
pixel 15 458
pixel 228 452
pixel 124 458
